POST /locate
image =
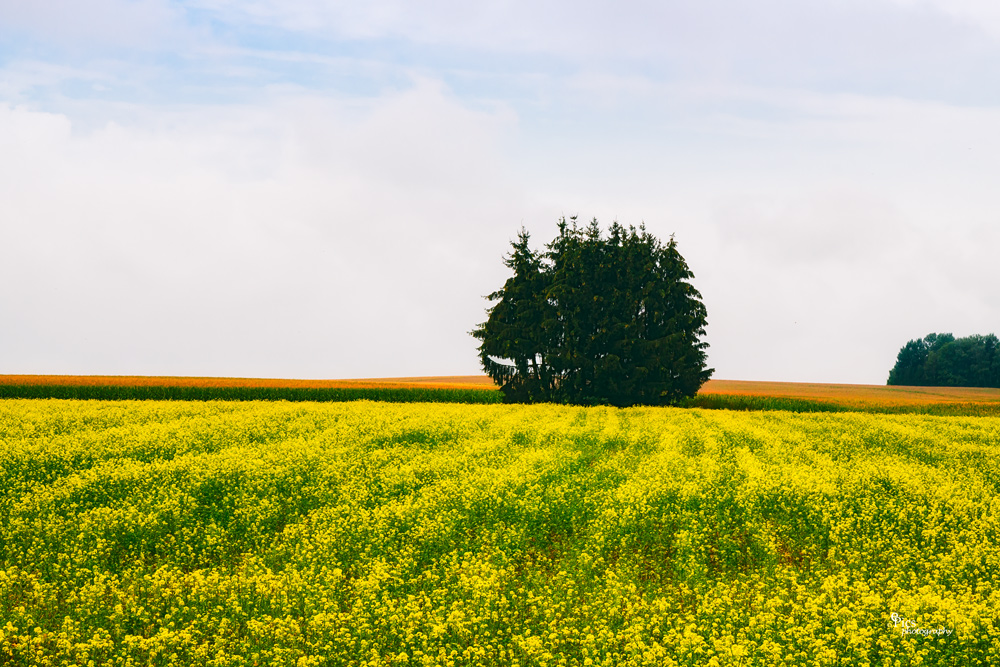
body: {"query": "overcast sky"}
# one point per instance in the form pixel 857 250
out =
pixel 299 188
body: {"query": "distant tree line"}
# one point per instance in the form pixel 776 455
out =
pixel 596 320
pixel 941 360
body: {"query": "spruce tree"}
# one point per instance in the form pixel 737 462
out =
pixel 514 338
pixel 596 320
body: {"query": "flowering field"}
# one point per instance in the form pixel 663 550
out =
pixel 227 533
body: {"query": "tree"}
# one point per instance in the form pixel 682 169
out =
pixel 596 320
pixel 913 367
pixel 517 328
pixel 941 360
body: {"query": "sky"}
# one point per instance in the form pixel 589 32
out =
pixel 308 189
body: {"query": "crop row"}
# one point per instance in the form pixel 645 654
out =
pixel 190 390
pixel 248 393
pixel 211 533
pixel 712 401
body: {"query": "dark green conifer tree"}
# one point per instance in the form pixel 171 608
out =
pixel 514 338
pixel 607 321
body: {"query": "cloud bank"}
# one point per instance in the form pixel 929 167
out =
pixel 307 189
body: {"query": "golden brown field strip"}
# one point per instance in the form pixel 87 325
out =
pixel 439 382
pixel 855 395
pixel 849 396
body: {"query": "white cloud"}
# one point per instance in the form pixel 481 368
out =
pixel 270 241
pixel 97 24
pixel 982 14
pixel 827 166
pixel 316 237
pixel 774 41
pixel 823 234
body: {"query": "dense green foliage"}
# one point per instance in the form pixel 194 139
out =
pixel 188 393
pixel 941 360
pixel 596 320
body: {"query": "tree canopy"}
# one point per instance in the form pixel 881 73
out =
pixel 596 320
pixel 941 360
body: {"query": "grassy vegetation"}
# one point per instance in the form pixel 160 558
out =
pixel 437 382
pixel 248 393
pixel 271 533
pixel 715 395
pixel 751 402
pixel 754 402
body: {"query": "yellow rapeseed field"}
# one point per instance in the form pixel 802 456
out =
pixel 215 533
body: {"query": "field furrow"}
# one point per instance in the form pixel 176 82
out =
pixel 363 533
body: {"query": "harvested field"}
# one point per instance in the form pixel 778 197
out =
pixel 438 382
pixel 857 395
pixel 715 394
